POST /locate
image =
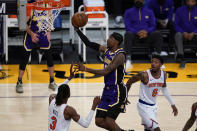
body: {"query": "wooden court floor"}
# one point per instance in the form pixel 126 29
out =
pixel 29 111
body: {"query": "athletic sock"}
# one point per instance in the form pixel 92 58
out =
pixel 19 80
pixel 51 79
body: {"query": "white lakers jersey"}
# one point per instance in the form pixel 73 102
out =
pixel 57 121
pixel 149 92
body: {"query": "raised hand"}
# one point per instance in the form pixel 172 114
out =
pixel 72 71
pixel 79 67
pixel 96 101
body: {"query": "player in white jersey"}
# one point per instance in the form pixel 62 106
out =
pixel 152 81
pixel 60 114
pixel 192 118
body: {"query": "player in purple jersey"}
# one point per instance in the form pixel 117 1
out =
pixel 114 93
pixel 33 40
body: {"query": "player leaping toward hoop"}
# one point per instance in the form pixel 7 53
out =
pixel 114 93
pixel 152 81
pixel 60 113
pixel 35 39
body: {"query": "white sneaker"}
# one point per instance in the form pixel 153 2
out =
pixel 19 87
pixel 163 53
pixel 128 64
pixel 52 86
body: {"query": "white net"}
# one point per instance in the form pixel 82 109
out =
pixel 46 18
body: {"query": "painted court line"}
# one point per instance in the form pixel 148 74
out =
pixel 4 97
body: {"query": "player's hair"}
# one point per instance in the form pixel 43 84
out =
pixel 118 37
pixel 159 58
pixel 63 93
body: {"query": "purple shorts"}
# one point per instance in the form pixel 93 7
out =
pixel 43 42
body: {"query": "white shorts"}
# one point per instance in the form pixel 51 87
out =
pixel 148 115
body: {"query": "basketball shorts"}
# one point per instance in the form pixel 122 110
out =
pixel 43 42
pixel 112 101
pixel 148 115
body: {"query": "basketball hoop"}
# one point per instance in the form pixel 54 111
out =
pixel 46 11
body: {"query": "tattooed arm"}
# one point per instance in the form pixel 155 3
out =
pixel 118 60
pixel 141 76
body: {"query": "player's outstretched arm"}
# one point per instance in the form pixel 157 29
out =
pixel 168 96
pixel 192 118
pixel 72 74
pixel 140 76
pixel 51 97
pixel 118 60
pixel 70 112
pixel 90 44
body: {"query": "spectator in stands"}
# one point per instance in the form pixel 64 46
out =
pixel 140 27
pixel 185 26
pixel 163 10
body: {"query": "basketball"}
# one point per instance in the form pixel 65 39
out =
pixel 79 19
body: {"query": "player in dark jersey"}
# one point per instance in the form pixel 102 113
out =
pixel 114 93
pixel 34 39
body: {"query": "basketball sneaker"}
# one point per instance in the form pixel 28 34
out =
pixel 19 87
pixel 52 86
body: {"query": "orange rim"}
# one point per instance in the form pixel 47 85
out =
pixel 52 4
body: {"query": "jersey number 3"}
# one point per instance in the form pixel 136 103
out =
pixel 53 125
pixel 155 91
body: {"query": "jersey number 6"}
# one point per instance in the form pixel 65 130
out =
pixel 155 91
pixel 53 125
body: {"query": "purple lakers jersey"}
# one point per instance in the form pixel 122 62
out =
pixel 116 76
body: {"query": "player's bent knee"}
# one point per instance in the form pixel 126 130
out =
pixel 50 64
pixel 22 67
pixel 49 58
pixel 110 123
pixel 99 122
pixel 157 129
pixel 151 125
